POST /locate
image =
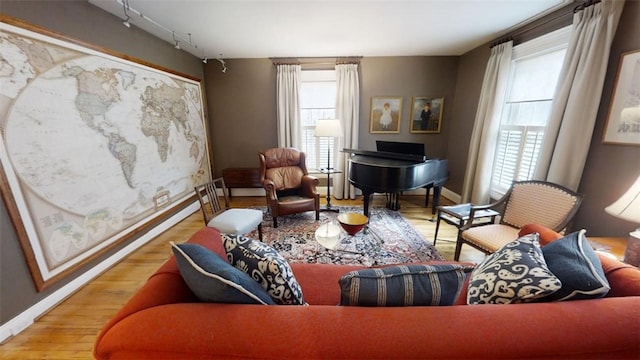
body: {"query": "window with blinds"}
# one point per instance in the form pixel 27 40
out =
pixel 317 101
pixel 534 73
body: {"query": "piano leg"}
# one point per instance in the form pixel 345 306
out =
pixel 436 198
pixel 393 201
pixel 367 200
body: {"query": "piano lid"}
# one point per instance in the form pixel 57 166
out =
pixel 387 155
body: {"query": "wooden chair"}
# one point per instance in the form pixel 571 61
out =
pixel 526 202
pixel 226 219
pixel 290 189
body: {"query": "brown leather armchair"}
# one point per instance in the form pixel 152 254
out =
pixel 290 189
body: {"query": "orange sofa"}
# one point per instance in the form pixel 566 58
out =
pixel 164 320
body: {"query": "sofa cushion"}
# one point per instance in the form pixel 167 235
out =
pixel 546 235
pixel 212 279
pixel 266 266
pixel 574 262
pixel 624 279
pixel 516 273
pixel 403 285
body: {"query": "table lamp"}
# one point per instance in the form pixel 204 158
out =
pixel 328 128
pixel 627 207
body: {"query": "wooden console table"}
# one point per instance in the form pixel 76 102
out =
pixel 241 178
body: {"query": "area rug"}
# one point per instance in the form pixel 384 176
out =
pixel 388 239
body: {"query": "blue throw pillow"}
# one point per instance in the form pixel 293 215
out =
pixel 576 264
pixel 515 273
pixel 266 266
pixel 403 285
pixel 213 279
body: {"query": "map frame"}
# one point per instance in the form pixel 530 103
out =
pixel 16 194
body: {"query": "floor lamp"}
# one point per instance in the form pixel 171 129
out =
pixel 329 128
pixel 627 207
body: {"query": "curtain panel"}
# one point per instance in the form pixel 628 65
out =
pixel 477 178
pixel 288 109
pixel 575 106
pixel 348 111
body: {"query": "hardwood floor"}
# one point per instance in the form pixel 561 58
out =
pixel 69 330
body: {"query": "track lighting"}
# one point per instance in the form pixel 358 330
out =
pixel 177 43
pixel 224 66
pixel 204 60
pixel 125 6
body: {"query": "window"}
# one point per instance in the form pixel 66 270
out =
pixel 535 68
pixel 317 101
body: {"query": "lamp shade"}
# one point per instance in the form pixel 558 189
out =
pixel 627 207
pixel 328 127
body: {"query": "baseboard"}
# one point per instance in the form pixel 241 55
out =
pixel 27 317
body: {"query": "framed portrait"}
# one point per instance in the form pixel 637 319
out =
pixel 623 121
pixel 426 114
pixel 386 112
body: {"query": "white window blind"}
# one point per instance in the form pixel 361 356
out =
pixel 535 69
pixel 317 101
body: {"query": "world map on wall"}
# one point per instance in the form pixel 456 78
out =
pixel 96 143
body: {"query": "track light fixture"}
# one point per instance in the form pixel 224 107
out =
pixel 224 66
pixel 177 43
pixel 127 21
pixel 204 60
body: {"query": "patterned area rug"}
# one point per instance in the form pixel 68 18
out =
pixel 389 239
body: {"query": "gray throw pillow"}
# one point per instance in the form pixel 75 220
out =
pixel 576 264
pixel 403 285
pixel 212 279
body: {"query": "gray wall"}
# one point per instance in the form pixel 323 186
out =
pixel 241 106
pixel 80 20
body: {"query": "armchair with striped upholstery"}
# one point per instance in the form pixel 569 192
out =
pixel 526 202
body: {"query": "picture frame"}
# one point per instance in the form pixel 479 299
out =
pixel 98 182
pixel 623 120
pixel 386 114
pixel 432 122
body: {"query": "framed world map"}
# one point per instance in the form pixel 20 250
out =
pixel 94 147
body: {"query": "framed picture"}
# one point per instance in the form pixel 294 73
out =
pixel 88 157
pixel 386 114
pixel 623 120
pixel 426 114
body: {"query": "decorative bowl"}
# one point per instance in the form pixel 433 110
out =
pixel 352 222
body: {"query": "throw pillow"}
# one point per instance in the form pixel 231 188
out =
pixel 403 285
pixel 516 273
pixel 213 279
pixel 266 266
pixel 575 263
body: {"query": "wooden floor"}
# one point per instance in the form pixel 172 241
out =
pixel 69 330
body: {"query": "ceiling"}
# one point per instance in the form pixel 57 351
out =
pixel 330 28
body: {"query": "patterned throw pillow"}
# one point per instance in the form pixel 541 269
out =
pixel 516 273
pixel 576 264
pixel 266 266
pixel 403 285
pixel 213 279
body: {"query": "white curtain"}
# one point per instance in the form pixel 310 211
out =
pixel 477 177
pixel 575 106
pixel 348 111
pixel 288 111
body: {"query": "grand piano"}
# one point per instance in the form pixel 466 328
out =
pixel 398 168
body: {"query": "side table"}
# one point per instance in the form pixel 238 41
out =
pixel 329 172
pixel 457 215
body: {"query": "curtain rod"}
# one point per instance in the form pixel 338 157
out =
pixel 557 15
pixel 316 60
pixel 585 5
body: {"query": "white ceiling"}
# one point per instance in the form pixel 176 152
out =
pixel 308 28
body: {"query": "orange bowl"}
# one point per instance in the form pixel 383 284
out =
pixel 352 222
